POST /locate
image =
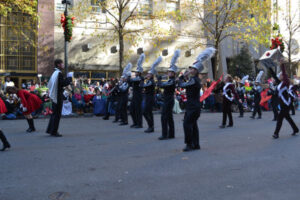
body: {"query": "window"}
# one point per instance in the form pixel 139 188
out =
pixel 27 63
pixel 12 62
pixel 96 6
pixel 144 7
pixel 12 34
pixel 112 74
pixel 172 5
pixel 60 6
pixel 82 75
pixel 98 75
pixel 17 53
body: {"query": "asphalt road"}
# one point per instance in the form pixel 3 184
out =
pixel 99 160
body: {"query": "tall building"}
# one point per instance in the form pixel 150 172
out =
pixel 18 52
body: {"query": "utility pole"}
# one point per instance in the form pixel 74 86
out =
pixel 67 2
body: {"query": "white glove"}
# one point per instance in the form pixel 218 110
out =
pixel 70 74
pixel 21 105
pixel 24 109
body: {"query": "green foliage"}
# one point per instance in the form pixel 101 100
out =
pixel 18 9
pixel 241 64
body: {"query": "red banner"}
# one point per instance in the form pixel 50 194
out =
pixel 210 89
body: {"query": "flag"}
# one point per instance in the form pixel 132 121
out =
pixel 264 99
pixel 210 89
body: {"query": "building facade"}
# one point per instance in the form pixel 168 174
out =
pixel 92 56
pixel 18 52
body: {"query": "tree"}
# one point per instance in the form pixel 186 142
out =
pixel 128 23
pixel 292 28
pixel 220 19
pixel 28 8
pixel 241 64
pixel 124 22
pixel 24 6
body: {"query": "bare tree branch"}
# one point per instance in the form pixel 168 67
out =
pixel 131 13
pixel 106 10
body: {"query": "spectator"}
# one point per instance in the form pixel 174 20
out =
pixel 78 101
pixel 98 103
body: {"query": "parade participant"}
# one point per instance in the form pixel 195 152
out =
pixel 149 89
pixel 110 88
pixel 193 106
pixel 29 103
pixel 4 141
pixel 56 88
pixel 2 136
pixel 124 87
pixel 294 97
pixel 137 97
pixel 229 95
pixel 116 102
pixel 284 100
pixel 274 99
pixel 241 94
pixel 167 121
pixel 256 90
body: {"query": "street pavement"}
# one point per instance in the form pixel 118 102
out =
pixel 99 160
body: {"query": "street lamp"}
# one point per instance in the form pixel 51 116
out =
pixel 67 2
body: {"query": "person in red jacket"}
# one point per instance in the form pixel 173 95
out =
pixel 2 136
pixel 29 103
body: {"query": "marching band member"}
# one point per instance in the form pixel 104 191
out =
pixel 167 121
pixel 293 95
pixel 149 87
pixel 137 98
pixel 241 94
pixel 256 90
pixel 274 99
pixel 284 100
pixel 124 87
pixel 229 95
pixel 193 106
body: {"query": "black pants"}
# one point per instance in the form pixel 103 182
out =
pixel 241 109
pixel 149 102
pixel 227 112
pixel 167 121
pixel 190 126
pixel 3 139
pixel 55 118
pixel 123 109
pixel 275 109
pixel 284 113
pixel 256 109
pixel 117 109
pixel 292 107
pixel 136 110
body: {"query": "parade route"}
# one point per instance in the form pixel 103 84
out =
pixel 100 160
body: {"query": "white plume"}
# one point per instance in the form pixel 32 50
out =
pixel 175 57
